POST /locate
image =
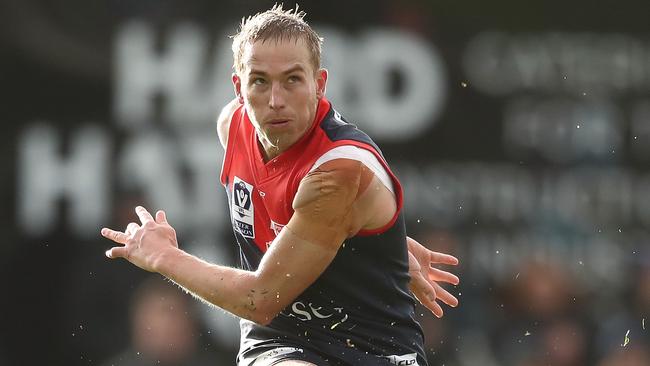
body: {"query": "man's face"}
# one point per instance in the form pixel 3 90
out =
pixel 280 90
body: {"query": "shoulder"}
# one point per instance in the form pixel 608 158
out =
pixel 326 198
pixel 335 201
pixel 338 128
pixel 223 121
pixel 335 182
pixel 352 187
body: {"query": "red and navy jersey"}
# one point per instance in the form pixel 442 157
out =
pixel 360 310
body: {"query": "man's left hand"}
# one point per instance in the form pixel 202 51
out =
pixel 425 278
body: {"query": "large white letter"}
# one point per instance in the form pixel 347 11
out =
pixel 45 177
pixel 422 92
pixel 141 73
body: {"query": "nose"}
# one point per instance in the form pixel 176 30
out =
pixel 277 97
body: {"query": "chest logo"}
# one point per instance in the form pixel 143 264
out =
pixel 276 227
pixel 243 211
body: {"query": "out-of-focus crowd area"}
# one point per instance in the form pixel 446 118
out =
pixel 520 132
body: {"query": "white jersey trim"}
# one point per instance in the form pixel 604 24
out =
pixel 362 155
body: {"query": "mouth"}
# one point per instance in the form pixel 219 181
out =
pixel 278 122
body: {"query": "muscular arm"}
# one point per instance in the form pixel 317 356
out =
pixel 328 208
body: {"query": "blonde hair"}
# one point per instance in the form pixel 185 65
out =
pixel 275 24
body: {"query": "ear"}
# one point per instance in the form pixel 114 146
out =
pixel 321 83
pixel 236 82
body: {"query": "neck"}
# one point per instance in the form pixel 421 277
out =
pixel 269 152
pixel 271 149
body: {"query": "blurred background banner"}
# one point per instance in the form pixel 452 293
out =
pixel 520 130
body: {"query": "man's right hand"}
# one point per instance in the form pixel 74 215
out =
pixel 143 245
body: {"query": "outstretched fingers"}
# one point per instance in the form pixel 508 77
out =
pixel 442 258
pixel 117 252
pixel 116 236
pixel 131 228
pixel 433 306
pixel 445 296
pixel 437 275
pixel 426 294
pixel 143 214
pixel 161 217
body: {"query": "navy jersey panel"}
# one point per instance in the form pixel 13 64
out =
pixel 337 128
pixel 360 304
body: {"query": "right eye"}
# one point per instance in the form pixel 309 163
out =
pixel 258 81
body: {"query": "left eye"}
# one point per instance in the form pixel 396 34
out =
pixel 293 79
